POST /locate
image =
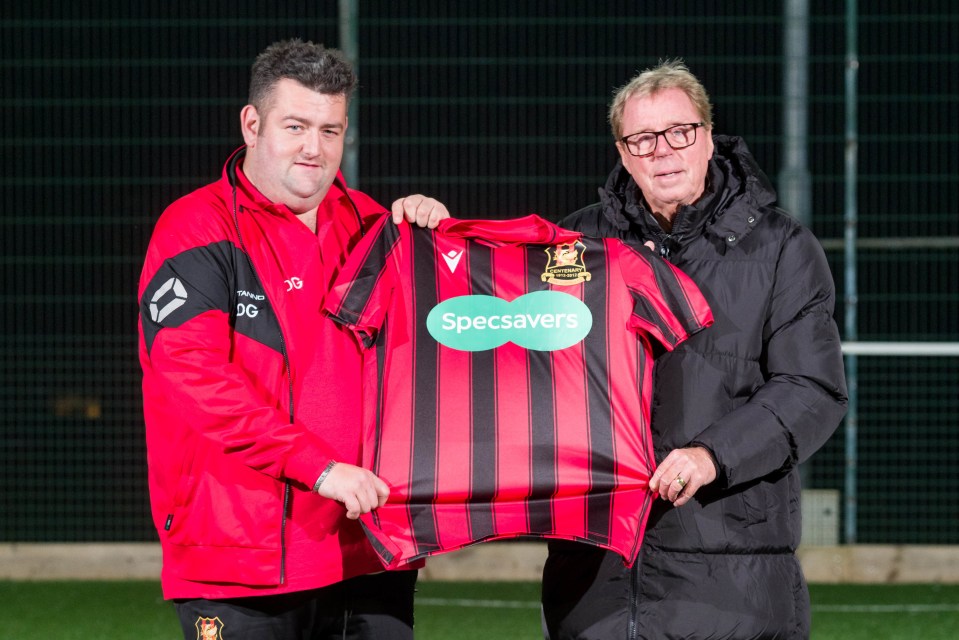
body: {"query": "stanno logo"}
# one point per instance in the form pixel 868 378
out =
pixel 452 259
pixel 248 310
pixel 293 283
pixel 168 298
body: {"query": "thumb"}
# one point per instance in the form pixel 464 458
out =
pixel 382 490
pixel 397 211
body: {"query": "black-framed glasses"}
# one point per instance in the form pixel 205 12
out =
pixel 678 136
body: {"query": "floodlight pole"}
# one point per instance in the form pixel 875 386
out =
pixel 349 45
pixel 851 294
pixel 794 181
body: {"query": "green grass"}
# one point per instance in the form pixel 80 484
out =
pixel 460 610
pixel 869 612
pixel 468 610
pixel 85 611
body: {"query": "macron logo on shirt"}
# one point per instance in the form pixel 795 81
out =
pixel 452 259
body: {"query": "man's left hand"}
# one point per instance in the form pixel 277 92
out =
pixel 420 210
pixel 682 473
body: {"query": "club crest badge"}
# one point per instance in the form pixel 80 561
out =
pixel 209 629
pixel 565 264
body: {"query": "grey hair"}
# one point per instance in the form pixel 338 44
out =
pixel 671 74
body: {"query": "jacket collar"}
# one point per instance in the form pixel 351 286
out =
pixel 737 192
pixel 250 197
pixel 531 229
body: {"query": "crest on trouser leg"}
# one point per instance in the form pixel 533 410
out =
pixel 209 629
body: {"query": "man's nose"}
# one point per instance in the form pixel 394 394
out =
pixel 311 143
pixel 662 146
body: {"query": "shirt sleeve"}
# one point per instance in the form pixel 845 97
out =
pixel 360 297
pixel 667 304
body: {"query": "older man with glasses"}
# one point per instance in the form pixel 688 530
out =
pixel 736 408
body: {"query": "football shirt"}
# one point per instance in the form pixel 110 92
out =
pixel 513 380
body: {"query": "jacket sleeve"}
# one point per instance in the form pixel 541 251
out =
pixel 804 397
pixel 194 376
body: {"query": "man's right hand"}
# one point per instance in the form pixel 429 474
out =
pixel 682 473
pixel 419 210
pixel 359 489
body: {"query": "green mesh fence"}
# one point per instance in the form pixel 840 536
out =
pixel 497 108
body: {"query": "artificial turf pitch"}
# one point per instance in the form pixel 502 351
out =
pixel 455 611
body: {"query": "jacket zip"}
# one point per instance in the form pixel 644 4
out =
pixel 287 497
pixel 633 601
pixel 664 250
pixel 287 488
pixel 664 244
pixel 666 238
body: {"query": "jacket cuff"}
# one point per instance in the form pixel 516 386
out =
pixel 720 480
pixel 326 472
pixel 306 463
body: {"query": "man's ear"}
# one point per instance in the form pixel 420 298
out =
pixel 250 124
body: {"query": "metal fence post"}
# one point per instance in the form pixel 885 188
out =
pixel 852 381
pixel 349 45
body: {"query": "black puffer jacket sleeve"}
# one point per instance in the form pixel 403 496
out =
pixel 804 397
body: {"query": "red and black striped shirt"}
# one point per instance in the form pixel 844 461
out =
pixel 513 380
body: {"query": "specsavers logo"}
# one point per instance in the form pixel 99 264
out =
pixel 540 321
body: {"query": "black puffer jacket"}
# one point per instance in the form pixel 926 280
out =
pixel 762 389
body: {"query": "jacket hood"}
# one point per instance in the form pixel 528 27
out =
pixel 733 179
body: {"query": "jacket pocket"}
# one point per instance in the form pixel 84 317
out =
pixel 222 503
pixel 184 480
pixel 755 504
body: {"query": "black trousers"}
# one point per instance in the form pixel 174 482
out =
pixel 376 606
pixel 587 593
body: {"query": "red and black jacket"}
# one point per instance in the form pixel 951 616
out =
pixel 230 328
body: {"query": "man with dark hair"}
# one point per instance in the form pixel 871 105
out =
pixel 322 70
pixel 252 397
pixel 735 408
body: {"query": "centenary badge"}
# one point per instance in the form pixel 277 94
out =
pixel 209 629
pixel 565 265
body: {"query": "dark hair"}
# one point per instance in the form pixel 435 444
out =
pixel 314 66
